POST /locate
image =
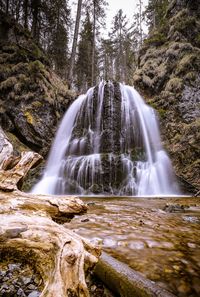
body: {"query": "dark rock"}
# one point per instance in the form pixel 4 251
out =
pixel 21 293
pixel 17 279
pixel 31 287
pixel 175 208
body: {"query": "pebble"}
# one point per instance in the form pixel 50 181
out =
pixel 85 220
pixel 34 294
pixel 19 280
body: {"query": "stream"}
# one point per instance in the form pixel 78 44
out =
pixel 159 237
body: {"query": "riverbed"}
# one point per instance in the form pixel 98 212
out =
pixel 159 237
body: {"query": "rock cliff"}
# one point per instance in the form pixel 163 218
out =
pixel 168 75
pixel 32 97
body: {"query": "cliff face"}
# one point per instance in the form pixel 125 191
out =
pixel 32 97
pixel 169 78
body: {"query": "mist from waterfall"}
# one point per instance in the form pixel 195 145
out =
pixel 108 143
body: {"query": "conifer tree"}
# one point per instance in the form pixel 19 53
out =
pixel 155 12
pixel 84 61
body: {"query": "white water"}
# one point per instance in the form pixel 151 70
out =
pixel 78 163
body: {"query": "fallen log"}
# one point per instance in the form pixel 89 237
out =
pixel 124 281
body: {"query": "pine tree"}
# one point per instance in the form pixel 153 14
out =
pixel 57 21
pixel 155 12
pixel 97 9
pixel 117 35
pixel 84 61
pixel 106 59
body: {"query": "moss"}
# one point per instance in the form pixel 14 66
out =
pixel 5 71
pixel 9 48
pixel 184 23
pixel 152 103
pixel 29 117
pixel 22 53
pixel 187 63
pixel 161 112
pixel 19 67
pixel 8 83
pixel 17 87
pixel 36 67
pixel 18 145
pixel 197 40
pixel 174 85
pixel 191 76
pixel 36 104
pixel 37 53
pixel 157 39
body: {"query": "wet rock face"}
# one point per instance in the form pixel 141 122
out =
pixel 32 97
pixel 168 76
pixel 102 117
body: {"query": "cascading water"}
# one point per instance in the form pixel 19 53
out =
pixel 108 143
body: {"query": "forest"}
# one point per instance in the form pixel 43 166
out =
pixel 77 48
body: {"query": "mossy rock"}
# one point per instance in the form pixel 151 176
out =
pixel 175 84
pixel 189 62
pixel 157 39
pixel 8 83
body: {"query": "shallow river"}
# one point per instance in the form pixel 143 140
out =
pixel 160 237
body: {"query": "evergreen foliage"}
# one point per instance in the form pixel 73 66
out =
pixel 92 56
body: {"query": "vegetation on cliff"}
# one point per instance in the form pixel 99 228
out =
pixel 32 97
pixel 168 76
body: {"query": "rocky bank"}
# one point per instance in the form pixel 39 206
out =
pixel 168 76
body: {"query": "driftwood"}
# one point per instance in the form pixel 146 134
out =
pixel 14 168
pixel 6 149
pixel 126 282
pixel 30 229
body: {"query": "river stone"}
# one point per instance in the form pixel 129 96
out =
pixel 34 294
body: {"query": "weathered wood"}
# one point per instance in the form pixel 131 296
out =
pixel 13 169
pixel 29 229
pixel 60 256
pixel 126 282
pixel 6 149
pixel 9 179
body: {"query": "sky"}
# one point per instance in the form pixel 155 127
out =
pixel 128 7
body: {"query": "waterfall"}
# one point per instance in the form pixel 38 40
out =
pixel 108 143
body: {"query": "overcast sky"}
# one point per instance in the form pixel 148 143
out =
pixel 128 6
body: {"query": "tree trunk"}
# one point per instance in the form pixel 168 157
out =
pixel 93 45
pixel 74 45
pixel 25 13
pixel 35 5
pixel 7 6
